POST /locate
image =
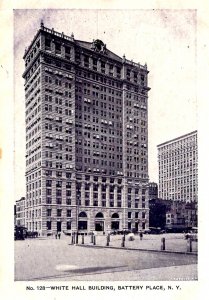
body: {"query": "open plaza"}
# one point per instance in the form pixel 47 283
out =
pixel 60 260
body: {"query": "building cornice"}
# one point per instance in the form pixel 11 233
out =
pixel 78 44
pixel 178 138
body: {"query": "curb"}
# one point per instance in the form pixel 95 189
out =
pixel 134 249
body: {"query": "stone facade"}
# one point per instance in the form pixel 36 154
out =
pixel 86 136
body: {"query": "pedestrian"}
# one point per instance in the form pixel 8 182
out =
pixel 55 235
pixel 59 234
pixel 141 235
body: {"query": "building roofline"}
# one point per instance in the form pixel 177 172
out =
pixel 31 43
pixel 76 42
pixel 21 199
pixel 175 139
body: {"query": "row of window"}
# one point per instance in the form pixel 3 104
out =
pixel 59 101
pixel 104 203
pixel 33 69
pixel 57 81
pixel 33 132
pixel 33 158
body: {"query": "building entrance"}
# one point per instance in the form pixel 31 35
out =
pixel 99 225
pixel 82 225
pixel 115 225
pixel 59 226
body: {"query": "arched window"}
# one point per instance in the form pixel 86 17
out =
pixel 115 215
pixel 82 215
pixel 99 215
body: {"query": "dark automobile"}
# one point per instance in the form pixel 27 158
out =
pixel 32 234
pixel 156 230
pixel 146 231
pixel 20 232
pixel 123 231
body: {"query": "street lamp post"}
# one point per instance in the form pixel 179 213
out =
pixel 77 218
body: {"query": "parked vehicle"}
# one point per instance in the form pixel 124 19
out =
pixel 32 234
pixel 20 232
pixel 146 231
pixel 123 231
pixel 193 234
pixel 156 230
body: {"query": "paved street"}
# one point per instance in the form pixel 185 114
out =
pixel 51 259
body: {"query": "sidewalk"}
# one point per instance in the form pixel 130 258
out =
pixel 174 243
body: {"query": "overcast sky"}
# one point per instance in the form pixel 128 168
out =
pixel 164 39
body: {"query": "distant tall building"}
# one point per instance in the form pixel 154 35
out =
pixel 153 190
pixel 86 136
pixel 178 168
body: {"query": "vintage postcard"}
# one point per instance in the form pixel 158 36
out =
pixel 102 150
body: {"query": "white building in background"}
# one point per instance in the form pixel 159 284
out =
pixel 178 168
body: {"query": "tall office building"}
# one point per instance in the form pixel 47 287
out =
pixel 86 136
pixel 178 168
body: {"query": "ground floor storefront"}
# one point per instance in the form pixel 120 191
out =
pixel 89 220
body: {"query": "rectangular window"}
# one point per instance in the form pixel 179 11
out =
pixel 48 192
pixel 59 200
pixel 67 50
pixel 48 200
pixel 68 201
pixel 49 225
pixel 59 212
pixel 47 43
pixel 58 193
pixel 49 212
pixel 68 213
pixel 68 225
pixel 58 47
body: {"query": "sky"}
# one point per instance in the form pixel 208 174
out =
pixel 164 39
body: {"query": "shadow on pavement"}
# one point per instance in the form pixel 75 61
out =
pixel 81 272
pixel 94 269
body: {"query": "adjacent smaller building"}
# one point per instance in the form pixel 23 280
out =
pixel 174 216
pixel 158 209
pixel 181 216
pixel 153 190
pixel 20 212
